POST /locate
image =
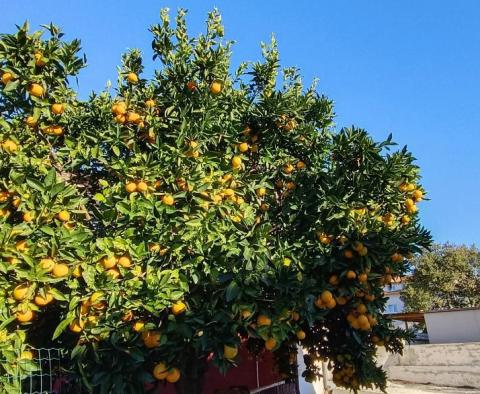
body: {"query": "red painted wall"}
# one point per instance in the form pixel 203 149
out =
pixel 244 375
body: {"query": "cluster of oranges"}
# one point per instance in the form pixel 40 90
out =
pixel 162 372
pixel 27 292
pixel 37 90
pixel 286 123
pixel 215 87
pixel 9 198
pixel 90 312
pixel 344 375
pixel 112 263
pixel 123 115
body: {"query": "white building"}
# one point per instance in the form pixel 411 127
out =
pixel 392 291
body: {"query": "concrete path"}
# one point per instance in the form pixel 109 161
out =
pixel 410 388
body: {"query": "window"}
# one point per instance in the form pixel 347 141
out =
pixel 392 308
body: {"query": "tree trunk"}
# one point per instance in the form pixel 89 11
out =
pixel 193 375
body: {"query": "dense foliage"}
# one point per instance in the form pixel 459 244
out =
pixel 191 213
pixel 445 277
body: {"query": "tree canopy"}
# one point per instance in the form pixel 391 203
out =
pixel 178 217
pixel 445 277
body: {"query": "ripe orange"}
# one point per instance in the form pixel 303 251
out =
pixel 160 371
pixel 301 335
pixel 288 168
pixel 16 202
pixel 236 162
pixel 411 208
pixel 41 300
pixel 324 238
pixel 216 87
pixel 26 355
pixel 7 77
pixel 77 271
pixel 168 199
pixel 76 326
pixel 53 130
pixel 369 297
pixel 47 264
pixel 138 326
pixel 151 339
pixel 191 85
pixel 290 185
pixel 9 146
pixel 362 309
pixel 125 261
pixel 4 196
pixel 21 246
pixel 39 59
pixel 261 191
pixel 397 257
pixel 21 291
pixel 300 165
pixel 363 277
pixel 28 216
pixel 230 352
pixel 63 216
pixel 31 121
pixel 132 78
pixel 36 90
pixel 150 103
pixel 348 254
pixel 270 344
pixel 60 270
pixel 326 296
pixel 128 316
pixel 243 147
pixel 114 273
pixel 142 186
pixel 57 108
pixel 173 375
pixel 109 262
pixel 351 274
pixel 119 108
pixel 333 280
pixel 263 320
pixel 417 195
pixel 178 308
pixel 331 304
pixel 133 117
pixel 131 187
pixel 25 316
pixel 406 219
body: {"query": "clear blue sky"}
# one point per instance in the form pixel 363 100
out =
pixel 407 67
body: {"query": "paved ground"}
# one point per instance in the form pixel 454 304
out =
pixel 408 388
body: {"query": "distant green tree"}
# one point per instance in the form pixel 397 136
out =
pixel 446 277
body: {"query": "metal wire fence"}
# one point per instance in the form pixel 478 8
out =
pixel 36 371
pixel 278 388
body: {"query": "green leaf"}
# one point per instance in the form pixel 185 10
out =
pixel 232 291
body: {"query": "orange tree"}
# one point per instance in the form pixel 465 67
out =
pixel 165 225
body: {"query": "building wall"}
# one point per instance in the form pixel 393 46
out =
pixel 394 303
pixel 453 364
pixel 453 326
